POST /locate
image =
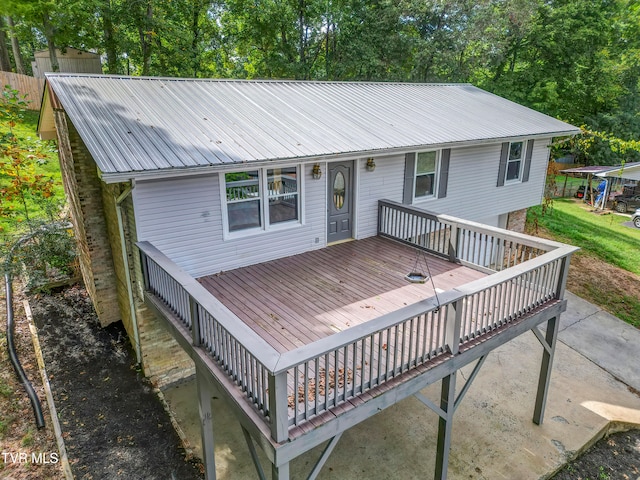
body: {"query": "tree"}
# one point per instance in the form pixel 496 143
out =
pixel 15 47
pixel 5 63
pixel 23 190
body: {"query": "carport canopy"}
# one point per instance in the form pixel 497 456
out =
pixel 630 171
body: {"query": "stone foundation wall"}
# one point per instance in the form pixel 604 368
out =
pixel 84 193
pixel 516 220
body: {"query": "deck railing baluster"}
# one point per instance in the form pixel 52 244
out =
pixel 359 364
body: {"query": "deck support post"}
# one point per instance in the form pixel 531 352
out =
pixel 445 425
pixel 549 345
pixel 206 425
pixel 280 472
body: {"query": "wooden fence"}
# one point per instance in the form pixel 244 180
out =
pixel 30 86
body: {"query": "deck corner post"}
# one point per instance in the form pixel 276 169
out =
pixel 454 323
pixel 562 276
pixel 280 472
pixel 545 370
pixel 278 406
pixel 445 425
pixel 206 425
pixel 195 322
pixel 145 269
pixel 453 243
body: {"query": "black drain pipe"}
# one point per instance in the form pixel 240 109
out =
pixel 17 366
pixel 11 347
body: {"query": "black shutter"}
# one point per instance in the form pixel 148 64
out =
pixel 502 170
pixel 409 177
pixel 444 172
pixel 527 161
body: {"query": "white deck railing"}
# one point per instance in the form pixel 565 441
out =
pixel 288 389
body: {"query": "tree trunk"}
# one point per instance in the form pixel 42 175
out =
pixel 109 40
pixel 146 37
pixel 15 46
pixel 49 33
pixel 302 45
pixel 5 62
pixel 195 35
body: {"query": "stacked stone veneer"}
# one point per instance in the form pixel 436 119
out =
pixel 516 220
pixel 103 266
pixel 84 194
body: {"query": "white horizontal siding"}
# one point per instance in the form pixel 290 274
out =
pixel 472 191
pixel 183 218
pixel 385 182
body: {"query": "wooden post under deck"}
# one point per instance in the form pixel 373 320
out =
pixel 206 425
pixel 445 425
pixel 280 472
pixel 549 345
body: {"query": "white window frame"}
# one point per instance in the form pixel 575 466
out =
pixel 521 159
pixel 263 195
pixel 436 179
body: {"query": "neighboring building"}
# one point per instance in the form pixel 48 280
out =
pixel 70 60
pixel 255 188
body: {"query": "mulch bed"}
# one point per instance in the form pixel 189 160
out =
pixel 113 423
pixel 616 457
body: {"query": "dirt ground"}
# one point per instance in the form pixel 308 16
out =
pixel 18 432
pixel 113 424
pixel 616 457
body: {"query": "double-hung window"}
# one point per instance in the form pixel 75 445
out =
pixel 262 198
pixel 426 175
pixel 514 161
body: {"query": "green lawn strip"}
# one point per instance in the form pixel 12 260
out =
pixel 603 236
pixel 625 307
pixel 26 132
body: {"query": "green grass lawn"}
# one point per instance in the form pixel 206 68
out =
pixel 603 238
pixel 26 133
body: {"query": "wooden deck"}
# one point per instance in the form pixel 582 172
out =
pixel 296 300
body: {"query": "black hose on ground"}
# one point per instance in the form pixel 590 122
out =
pixel 11 347
pixel 17 366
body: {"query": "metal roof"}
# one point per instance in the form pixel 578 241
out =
pixel 142 124
pixel 630 171
pixel 591 169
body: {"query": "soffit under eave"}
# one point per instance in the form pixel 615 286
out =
pixel 46 122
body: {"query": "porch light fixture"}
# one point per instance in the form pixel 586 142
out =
pixel 316 172
pixel 371 164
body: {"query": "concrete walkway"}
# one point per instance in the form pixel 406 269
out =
pixel 493 435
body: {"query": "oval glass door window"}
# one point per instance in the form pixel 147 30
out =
pixel 338 191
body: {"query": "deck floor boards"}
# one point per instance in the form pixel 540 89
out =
pixel 299 299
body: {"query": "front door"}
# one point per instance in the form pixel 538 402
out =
pixel 340 198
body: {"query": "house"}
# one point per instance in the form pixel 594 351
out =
pixel 69 60
pixel 270 228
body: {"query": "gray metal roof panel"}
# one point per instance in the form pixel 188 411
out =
pixel 135 124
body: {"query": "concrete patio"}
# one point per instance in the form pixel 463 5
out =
pixel 594 389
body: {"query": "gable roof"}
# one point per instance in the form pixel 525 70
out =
pixel 151 124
